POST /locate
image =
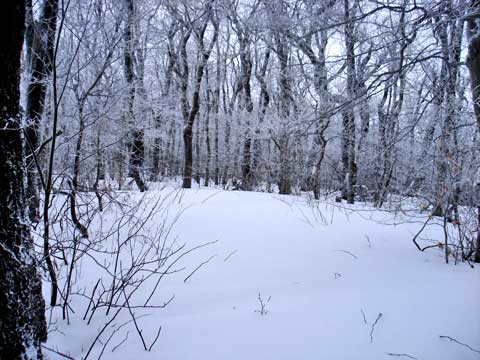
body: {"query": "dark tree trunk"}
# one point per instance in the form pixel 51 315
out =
pixel 137 154
pixel 227 152
pixel 187 169
pixel 350 167
pixel 284 185
pixel 228 130
pixel 246 65
pixel 157 150
pixel 198 156
pixel 40 41
pixel 473 63
pixel 22 309
pixel 473 58
pixel 322 142
pixel 207 136
pixel 209 152
pixel 160 154
pixel 136 145
pixel 348 156
pixel 217 165
pixel 189 116
pixel 264 102
pixel 215 108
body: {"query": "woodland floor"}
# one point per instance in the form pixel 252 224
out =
pixel 325 274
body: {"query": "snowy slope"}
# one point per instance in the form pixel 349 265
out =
pixel 318 275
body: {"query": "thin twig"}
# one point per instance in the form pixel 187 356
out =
pixel 58 352
pixel 91 299
pixel 230 255
pixel 263 305
pixel 156 338
pixel 405 355
pixel 198 267
pixel 460 343
pixel 121 342
pixel 418 234
pixel 364 317
pixel 373 326
pixel 349 253
pixel 132 314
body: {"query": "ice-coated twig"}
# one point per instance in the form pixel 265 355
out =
pixel 349 253
pixel 198 267
pixel 263 305
pixel 121 342
pixel 364 317
pixel 373 326
pixel 368 240
pixel 230 255
pixel 156 338
pixel 459 343
pixel 402 355
pixel 58 352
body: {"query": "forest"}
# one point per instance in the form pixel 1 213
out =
pixel 153 153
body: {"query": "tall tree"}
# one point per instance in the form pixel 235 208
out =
pixel 473 63
pixel 348 114
pixel 241 28
pixel 190 112
pixel 134 78
pixel 40 42
pixel 22 318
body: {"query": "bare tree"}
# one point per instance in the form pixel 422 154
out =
pixel 198 28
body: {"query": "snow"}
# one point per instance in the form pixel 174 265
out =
pixel 315 274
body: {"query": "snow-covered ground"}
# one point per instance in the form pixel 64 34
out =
pixel 324 281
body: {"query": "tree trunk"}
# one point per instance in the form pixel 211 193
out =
pixel 157 149
pixel 136 144
pixel 207 140
pixel 189 116
pixel 198 155
pixel 227 152
pixel 22 309
pixel 473 63
pixel 187 169
pixel 246 65
pixel 40 39
pixel 285 100
pixel 349 164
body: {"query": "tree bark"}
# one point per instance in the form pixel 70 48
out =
pixel 22 308
pixel 136 144
pixel 40 41
pixel 284 184
pixel 216 108
pixel 473 64
pixel 348 156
